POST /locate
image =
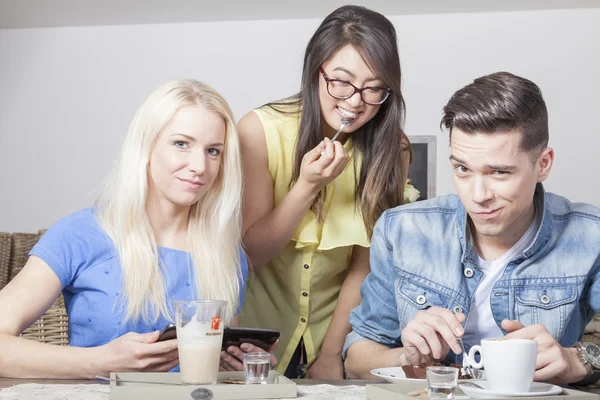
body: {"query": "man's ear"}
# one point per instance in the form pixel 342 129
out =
pixel 544 163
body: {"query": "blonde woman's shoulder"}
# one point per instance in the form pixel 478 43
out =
pixel 79 230
pixel 74 244
pixel 82 219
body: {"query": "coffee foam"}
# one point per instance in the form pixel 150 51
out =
pixel 505 340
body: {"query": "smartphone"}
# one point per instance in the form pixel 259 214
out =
pixel 263 338
pixel 169 332
pixel 234 336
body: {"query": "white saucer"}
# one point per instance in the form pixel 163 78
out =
pixel 396 374
pixel 537 389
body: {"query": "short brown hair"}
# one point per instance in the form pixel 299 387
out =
pixel 498 103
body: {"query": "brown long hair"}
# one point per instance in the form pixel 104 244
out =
pixel 379 183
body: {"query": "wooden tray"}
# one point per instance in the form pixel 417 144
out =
pixel 397 391
pixel 167 385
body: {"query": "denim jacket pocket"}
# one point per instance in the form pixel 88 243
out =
pixel 413 297
pixel 546 305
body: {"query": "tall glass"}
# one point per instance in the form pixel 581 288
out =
pixel 199 337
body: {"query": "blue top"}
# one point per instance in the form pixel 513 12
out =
pixel 83 258
pixel 421 257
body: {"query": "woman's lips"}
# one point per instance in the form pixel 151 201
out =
pixel 348 113
pixel 192 184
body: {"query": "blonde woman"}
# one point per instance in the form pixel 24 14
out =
pixel 166 227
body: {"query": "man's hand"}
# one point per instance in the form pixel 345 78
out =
pixel 430 335
pixel 326 367
pixel 555 363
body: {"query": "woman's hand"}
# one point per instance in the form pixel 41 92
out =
pixel 323 164
pixel 232 359
pixel 138 352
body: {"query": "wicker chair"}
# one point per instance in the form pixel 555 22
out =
pixel 53 326
pixel 5 242
pixel 592 330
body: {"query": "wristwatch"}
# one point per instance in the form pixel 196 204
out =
pixel 589 354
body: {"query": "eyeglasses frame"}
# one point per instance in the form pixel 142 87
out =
pixel 356 89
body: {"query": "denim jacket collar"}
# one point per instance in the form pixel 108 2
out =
pixel 541 238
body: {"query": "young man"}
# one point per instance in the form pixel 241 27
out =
pixel 502 258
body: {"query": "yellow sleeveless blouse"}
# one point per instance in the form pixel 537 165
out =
pixel 297 291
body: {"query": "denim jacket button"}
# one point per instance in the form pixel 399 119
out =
pixel 421 299
pixel 457 309
pixel 545 299
pixel 468 272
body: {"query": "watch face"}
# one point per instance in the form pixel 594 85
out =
pixel 592 351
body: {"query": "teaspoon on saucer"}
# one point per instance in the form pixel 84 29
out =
pixel 104 378
pixel 471 384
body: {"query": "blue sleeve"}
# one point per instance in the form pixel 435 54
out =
pixel 593 294
pixel 376 317
pixel 69 245
pixel 243 279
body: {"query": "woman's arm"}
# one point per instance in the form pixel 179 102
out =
pixel 268 229
pixel 328 364
pixel 26 298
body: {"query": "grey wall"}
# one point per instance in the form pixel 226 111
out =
pixel 68 94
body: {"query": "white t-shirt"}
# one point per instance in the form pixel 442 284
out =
pixel 480 322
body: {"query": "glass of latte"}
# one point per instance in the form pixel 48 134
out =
pixel 199 339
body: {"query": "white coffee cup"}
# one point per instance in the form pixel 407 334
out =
pixel 509 363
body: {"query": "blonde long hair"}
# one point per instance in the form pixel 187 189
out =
pixel 214 227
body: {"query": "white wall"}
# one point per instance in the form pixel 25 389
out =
pixel 67 94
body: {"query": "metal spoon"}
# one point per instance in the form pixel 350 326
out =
pixel 104 378
pixel 469 367
pixel 471 384
pixel 345 122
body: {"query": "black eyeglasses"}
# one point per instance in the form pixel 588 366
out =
pixel 341 89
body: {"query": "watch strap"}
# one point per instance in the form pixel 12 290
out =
pixel 593 375
pixel 588 380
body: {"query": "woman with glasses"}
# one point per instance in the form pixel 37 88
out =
pixel 310 203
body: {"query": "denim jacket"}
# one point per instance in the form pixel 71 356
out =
pixel 421 257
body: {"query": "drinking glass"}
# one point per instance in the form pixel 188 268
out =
pixel 442 382
pixel 257 367
pixel 199 338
